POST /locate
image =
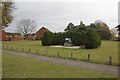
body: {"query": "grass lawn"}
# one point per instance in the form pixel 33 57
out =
pixel 0 59
pixel 21 67
pixel 0 44
pixel 0 64
pixel 98 55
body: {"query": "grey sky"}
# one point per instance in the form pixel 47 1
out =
pixel 55 15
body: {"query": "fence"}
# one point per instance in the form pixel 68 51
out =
pixel 71 56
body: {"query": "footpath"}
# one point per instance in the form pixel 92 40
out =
pixel 109 69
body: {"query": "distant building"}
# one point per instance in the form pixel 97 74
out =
pixel 13 36
pixel 8 36
pixel 31 37
pixel 2 35
pixel 39 34
pixel 68 42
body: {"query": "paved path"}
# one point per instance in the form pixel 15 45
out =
pixel 97 67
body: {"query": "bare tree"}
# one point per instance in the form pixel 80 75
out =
pixel 25 27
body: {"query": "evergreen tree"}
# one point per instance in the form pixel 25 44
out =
pixel 47 39
pixel 92 39
pixel 70 25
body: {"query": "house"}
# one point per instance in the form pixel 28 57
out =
pixel 31 37
pixel 39 34
pixel 68 42
pixel 13 36
pixel 8 36
pixel 2 35
pixel 16 37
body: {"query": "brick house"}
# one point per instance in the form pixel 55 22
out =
pixel 40 33
pixel 16 37
pixel 2 35
pixel 7 36
pixel 13 36
pixel 31 37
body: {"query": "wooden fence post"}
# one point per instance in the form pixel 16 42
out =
pixel 110 60
pixel 58 54
pixel 37 51
pixel 11 47
pixel 29 50
pixel 71 55
pixel 88 56
pixel 22 49
pixel 46 52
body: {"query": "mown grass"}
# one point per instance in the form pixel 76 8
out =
pixel 0 59
pixel 22 67
pixel 0 63
pixel 98 55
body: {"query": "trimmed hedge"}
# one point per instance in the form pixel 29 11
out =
pixel 59 38
pixel 47 39
pixel 92 39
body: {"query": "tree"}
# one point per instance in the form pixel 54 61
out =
pixel 78 28
pixel 103 30
pixel 105 34
pixel 92 39
pixel 25 27
pixel 77 38
pixel 70 25
pixel 82 28
pixel 6 8
pixel 81 23
pixel 92 25
pixel 47 39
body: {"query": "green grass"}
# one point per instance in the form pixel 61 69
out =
pixel 0 59
pixel 0 44
pixel 98 55
pixel 22 67
pixel 0 64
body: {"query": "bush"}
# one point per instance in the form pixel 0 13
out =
pixel 59 38
pixel 77 38
pixel 92 39
pixel 47 39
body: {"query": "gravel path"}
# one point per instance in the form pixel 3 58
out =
pixel 97 67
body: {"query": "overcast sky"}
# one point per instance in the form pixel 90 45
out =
pixel 56 14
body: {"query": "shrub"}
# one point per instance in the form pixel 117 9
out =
pixel 47 39
pixel 92 39
pixel 59 38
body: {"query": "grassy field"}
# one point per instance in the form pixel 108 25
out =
pixel 98 55
pixel 0 62
pixel 21 67
pixel 0 44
